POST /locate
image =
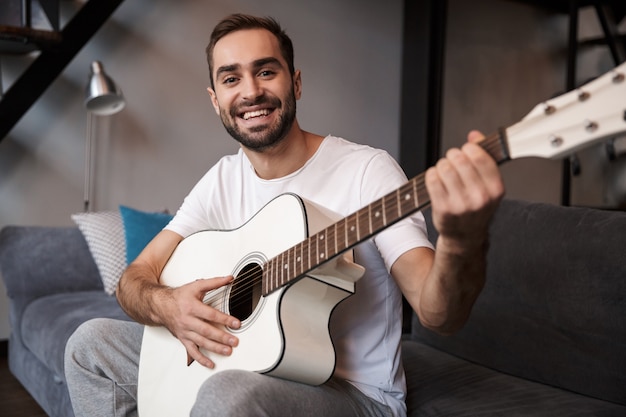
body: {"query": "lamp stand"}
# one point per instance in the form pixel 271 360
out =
pixel 89 158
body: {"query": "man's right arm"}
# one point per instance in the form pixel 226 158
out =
pixel 139 292
pixel 181 309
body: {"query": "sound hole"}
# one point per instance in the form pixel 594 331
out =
pixel 245 292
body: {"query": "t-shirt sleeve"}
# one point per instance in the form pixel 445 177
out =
pixel 192 216
pixel 382 176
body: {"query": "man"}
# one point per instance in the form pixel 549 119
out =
pixel 254 88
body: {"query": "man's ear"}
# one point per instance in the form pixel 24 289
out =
pixel 297 84
pixel 216 105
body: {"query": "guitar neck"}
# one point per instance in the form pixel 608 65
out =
pixel 554 128
pixel 359 226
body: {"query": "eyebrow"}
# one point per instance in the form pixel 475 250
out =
pixel 255 64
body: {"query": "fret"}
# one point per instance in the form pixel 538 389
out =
pixel 398 203
pixel 321 241
pixel 331 249
pixel 286 268
pixel 300 267
pixel 264 275
pixel 274 283
pixel 293 265
pixel 369 218
pixel 390 203
pixel 308 254
pixel 421 195
pixel 275 270
pixel 270 284
pixel 406 200
pixel 303 259
pixel 377 221
pixel 313 251
pixel 414 192
pixel 291 271
pixel 334 234
pixel 282 270
pixel 352 233
pixel 342 236
pixel 363 222
pixel 383 207
pixel 267 276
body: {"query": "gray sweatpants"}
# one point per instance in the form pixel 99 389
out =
pixel 101 367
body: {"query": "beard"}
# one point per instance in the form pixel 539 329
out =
pixel 262 137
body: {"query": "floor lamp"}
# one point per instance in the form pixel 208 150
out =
pixel 102 98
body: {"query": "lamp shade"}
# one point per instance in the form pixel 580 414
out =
pixel 102 96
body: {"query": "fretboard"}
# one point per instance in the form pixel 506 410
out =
pixel 358 227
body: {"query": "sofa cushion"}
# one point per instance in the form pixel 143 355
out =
pixel 139 229
pixel 104 233
pixel 49 321
pixel 553 308
pixel 440 384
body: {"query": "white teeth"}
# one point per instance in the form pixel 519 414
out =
pixel 251 114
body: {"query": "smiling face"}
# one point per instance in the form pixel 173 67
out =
pixel 255 93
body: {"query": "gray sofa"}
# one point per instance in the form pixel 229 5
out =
pixel 547 336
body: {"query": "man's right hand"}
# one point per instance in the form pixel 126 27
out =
pixel 180 310
pixel 197 325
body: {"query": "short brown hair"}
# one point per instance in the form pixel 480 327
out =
pixel 240 21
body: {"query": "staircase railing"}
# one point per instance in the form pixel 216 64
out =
pixel 57 48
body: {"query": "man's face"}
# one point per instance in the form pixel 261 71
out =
pixel 255 94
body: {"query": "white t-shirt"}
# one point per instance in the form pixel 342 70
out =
pixel 342 176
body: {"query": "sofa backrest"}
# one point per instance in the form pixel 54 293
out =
pixel 37 261
pixel 553 309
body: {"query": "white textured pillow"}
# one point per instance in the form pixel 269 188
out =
pixel 104 233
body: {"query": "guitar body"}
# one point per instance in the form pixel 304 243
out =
pixel 284 334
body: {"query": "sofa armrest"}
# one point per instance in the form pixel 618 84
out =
pixel 37 261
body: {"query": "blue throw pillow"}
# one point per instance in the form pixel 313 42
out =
pixel 139 229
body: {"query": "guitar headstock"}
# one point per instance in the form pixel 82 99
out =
pixel 574 120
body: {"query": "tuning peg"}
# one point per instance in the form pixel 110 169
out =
pixel 548 109
pixel 583 95
pixel 590 125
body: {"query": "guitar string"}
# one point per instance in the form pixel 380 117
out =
pixel 490 143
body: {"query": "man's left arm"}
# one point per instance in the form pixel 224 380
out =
pixel 465 189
